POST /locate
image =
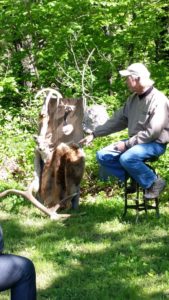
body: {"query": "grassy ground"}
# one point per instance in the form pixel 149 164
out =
pixel 97 256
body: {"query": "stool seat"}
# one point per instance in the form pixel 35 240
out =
pixel 137 200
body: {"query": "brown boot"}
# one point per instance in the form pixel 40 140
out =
pixel 156 188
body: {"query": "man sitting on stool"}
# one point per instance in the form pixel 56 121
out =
pixel 146 115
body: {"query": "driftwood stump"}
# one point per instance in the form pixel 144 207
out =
pixel 59 161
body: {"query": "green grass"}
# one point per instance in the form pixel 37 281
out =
pixel 97 256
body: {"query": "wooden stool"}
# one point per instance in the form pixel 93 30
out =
pixel 140 202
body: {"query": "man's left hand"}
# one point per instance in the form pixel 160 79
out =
pixel 120 146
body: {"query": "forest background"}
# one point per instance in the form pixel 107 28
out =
pixel 77 47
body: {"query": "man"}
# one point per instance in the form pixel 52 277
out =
pixel 17 274
pixel 146 115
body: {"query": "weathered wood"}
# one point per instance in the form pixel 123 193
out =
pixel 56 155
pixel 59 167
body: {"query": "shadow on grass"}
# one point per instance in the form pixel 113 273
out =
pixel 131 255
pixel 101 257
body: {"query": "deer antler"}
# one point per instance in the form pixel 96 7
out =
pixel 47 91
pixel 28 195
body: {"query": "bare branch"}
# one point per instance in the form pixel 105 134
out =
pixel 83 75
pixel 61 68
pixel 74 56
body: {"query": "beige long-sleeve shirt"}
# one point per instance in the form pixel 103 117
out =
pixel 147 119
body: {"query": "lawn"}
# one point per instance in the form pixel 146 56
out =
pixel 97 256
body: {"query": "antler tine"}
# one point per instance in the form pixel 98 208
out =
pixel 28 195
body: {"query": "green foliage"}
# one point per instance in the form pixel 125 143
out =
pixel 78 47
pixel 17 125
pixel 8 85
pixel 60 35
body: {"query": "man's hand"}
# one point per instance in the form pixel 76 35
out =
pixel 120 146
pixel 87 140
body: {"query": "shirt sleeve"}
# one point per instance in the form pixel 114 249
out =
pixel 1 240
pixel 117 122
pixel 156 122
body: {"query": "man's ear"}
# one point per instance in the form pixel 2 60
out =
pixel 35 137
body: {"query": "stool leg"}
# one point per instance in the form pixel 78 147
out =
pixel 125 197
pixel 157 207
pixel 137 202
pixel 156 200
pixel 145 202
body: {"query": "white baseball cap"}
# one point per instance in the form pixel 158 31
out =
pixel 136 69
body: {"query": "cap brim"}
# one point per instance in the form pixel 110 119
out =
pixel 124 73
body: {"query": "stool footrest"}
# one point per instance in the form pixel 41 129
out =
pixel 151 207
pixel 136 207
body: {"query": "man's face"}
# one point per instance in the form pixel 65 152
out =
pixel 132 83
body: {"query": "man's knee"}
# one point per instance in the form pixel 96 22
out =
pixel 125 158
pixel 99 155
pixel 28 268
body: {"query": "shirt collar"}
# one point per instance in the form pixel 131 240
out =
pixel 146 93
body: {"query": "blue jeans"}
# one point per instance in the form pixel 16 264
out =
pixel 17 273
pixel 113 163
